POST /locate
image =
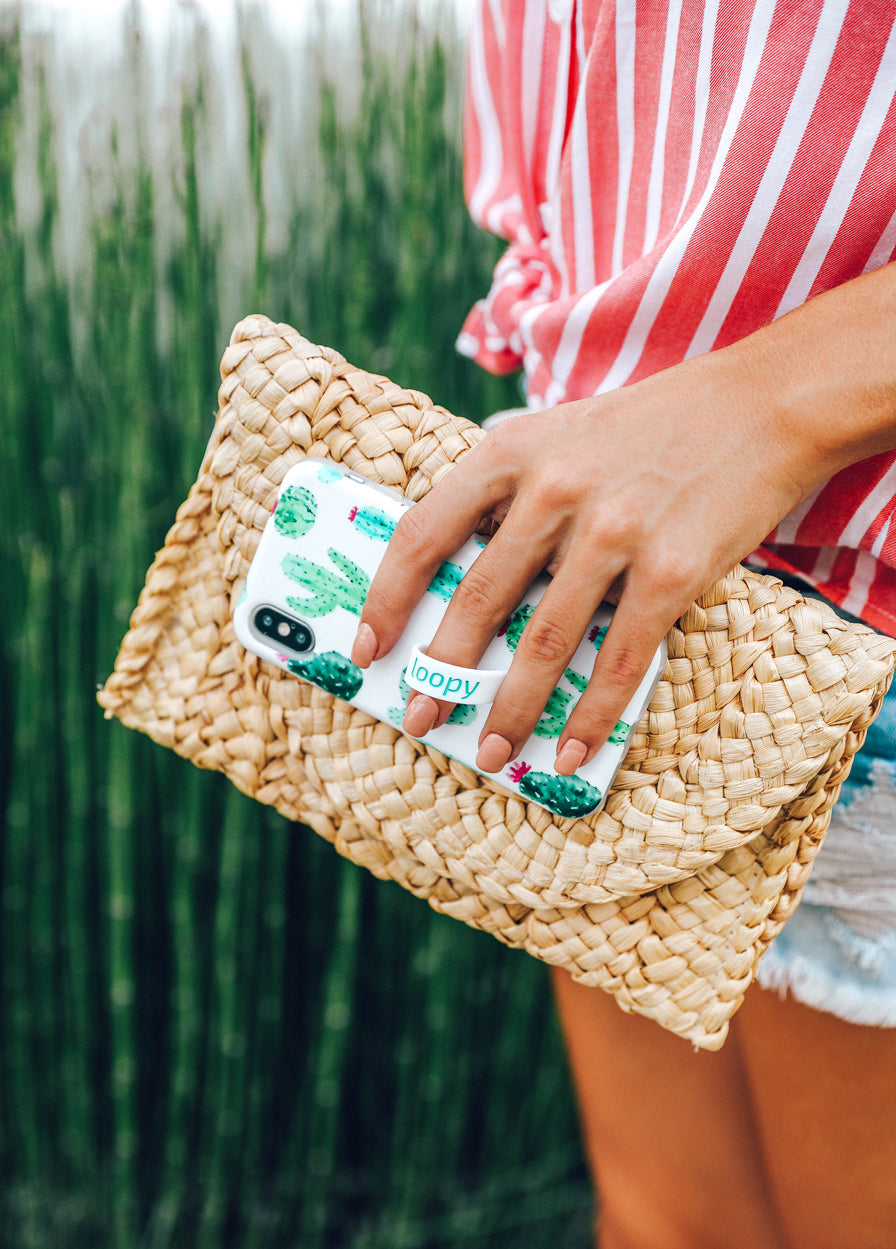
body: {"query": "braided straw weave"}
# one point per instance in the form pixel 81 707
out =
pixel 668 896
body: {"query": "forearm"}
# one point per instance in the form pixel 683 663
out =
pixel 825 375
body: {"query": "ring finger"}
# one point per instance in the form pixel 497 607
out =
pixel 544 651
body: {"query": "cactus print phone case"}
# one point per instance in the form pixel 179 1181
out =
pixel 300 607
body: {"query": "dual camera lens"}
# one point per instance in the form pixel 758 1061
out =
pixel 288 632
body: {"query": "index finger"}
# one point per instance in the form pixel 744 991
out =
pixel 424 537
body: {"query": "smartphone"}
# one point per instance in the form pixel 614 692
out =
pixel 300 606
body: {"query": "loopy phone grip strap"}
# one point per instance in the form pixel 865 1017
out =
pixel 453 684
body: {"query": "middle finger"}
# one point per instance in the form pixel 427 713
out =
pixel 487 595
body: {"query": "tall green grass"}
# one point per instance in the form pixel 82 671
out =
pixel 215 1033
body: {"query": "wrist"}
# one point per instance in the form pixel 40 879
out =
pixel 825 376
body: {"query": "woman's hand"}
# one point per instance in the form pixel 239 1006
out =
pixel 654 492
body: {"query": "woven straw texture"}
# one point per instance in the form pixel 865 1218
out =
pixel 666 898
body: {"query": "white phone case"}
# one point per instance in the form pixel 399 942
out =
pixel 300 608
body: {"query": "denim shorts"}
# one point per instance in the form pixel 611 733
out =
pixel 837 952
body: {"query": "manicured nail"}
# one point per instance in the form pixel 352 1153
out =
pixel 420 716
pixel 570 757
pixel 494 752
pixel 364 647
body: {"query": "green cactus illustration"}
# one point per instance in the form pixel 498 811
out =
pixel 463 713
pixel 296 512
pixel 596 636
pixel 327 590
pixel 331 671
pixel 555 714
pixel 512 629
pixel 373 522
pixel 564 795
pixel 446 580
pixel 327 473
pixel 576 680
pixel 620 733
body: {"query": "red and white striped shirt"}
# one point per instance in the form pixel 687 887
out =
pixel 671 175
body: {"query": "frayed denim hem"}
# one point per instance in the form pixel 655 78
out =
pixel 823 964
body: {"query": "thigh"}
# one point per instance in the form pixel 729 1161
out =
pixel 668 1130
pixel 824 1093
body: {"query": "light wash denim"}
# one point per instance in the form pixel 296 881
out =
pixel 838 951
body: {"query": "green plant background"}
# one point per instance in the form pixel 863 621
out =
pixel 213 1031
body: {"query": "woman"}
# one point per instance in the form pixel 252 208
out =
pixel 700 203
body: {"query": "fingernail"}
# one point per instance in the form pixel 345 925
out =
pixel 494 752
pixel 420 716
pixel 364 646
pixel 570 757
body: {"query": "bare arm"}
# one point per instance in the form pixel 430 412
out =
pixel 658 489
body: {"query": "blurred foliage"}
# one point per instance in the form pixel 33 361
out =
pixel 215 1033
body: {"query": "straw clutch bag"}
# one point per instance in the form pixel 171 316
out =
pixel 669 895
